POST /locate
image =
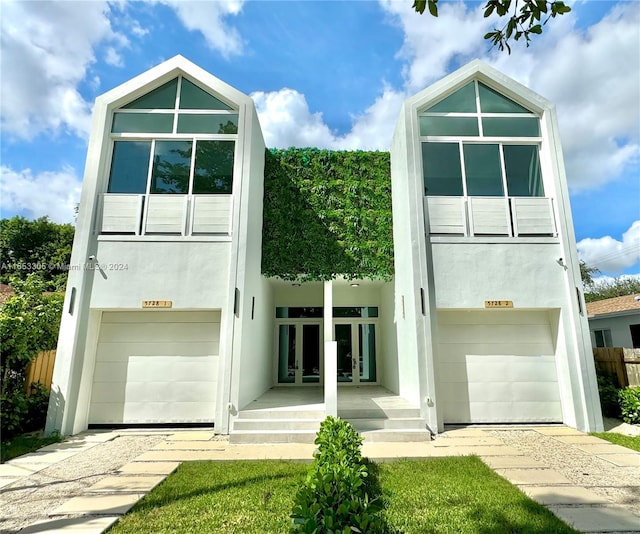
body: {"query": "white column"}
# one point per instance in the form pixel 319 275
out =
pixel 330 355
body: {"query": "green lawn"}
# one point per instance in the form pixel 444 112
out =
pixel 619 439
pixel 20 445
pixel 437 495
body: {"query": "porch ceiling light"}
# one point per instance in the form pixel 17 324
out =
pixel 295 284
pixel 355 285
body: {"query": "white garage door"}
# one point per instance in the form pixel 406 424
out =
pixel 497 366
pixel 156 367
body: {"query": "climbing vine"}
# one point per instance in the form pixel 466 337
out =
pixel 327 213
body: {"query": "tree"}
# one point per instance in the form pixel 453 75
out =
pixel 618 287
pixel 29 323
pixel 587 273
pixel 521 23
pixel 40 246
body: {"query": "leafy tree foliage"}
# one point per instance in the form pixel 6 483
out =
pixel 521 23
pixel 587 273
pixel 618 287
pixel 40 246
pixel 327 213
pixel 29 323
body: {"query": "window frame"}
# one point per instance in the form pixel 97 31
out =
pixel 462 140
pixel 605 334
pixel 153 137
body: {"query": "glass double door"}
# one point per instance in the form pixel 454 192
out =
pixel 356 351
pixel 300 352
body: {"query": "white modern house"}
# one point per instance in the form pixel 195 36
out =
pixel 168 318
pixel 615 322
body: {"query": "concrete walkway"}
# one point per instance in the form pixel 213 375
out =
pixel 102 504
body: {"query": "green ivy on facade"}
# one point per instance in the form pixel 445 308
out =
pixel 326 214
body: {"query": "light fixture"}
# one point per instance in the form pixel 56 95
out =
pixel 295 284
pixel 355 285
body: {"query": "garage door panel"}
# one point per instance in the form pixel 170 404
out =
pixel 148 372
pixel 489 317
pixel 120 351
pixel 503 334
pixel 494 373
pixel 160 316
pixel 159 332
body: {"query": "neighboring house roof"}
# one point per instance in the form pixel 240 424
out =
pixel 615 306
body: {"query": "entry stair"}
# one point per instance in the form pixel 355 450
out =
pixel 301 426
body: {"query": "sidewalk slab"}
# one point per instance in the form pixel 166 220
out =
pixel 548 495
pixel 610 518
pixel 622 460
pixel 581 439
pixel 5 481
pixel 191 445
pixel 77 525
pixel 557 431
pixel 97 436
pixel 99 504
pixel 20 470
pixel 149 468
pixel 465 433
pixel 481 450
pixel 71 446
pixel 48 457
pixel 191 435
pixel 466 441
pixel 536 477
pixel 505 462
pixel 605 448
pixel 119 484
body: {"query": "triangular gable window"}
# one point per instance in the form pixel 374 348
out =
pixel 192 97
pixel 462 101
pixel 493 102
pixel 164 97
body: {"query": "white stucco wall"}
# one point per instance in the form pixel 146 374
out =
pixel 388 374
pixel 619 326
pixel 191 274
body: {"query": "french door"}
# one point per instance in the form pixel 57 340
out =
pixel 356 351
pixel 299 346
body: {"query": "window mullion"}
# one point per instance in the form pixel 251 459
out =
pixel 192 168
pixel 462 169
pixel 478 108
pixel 503 169
pixel 177 105
pixel 150 170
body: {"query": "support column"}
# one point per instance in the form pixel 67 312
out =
pixel 330 355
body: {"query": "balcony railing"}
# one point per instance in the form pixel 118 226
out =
pixel 490 216
pixel 179 215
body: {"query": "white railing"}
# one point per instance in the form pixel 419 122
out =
pixel 180 215
pixel 495 216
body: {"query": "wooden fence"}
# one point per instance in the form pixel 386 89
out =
pixel 624 363
pixel 40 370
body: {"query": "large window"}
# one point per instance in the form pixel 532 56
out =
pixel 176 139
pixel 477 142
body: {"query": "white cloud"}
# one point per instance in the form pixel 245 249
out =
pixel 113 58
pixel 610 255
pixel 286 121
pixel 208 18
pixel 46 51
pixel 52 193
pixel 592 77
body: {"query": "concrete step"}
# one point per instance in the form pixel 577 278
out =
pixel 378 413
pixel 277 424
pixel 281 414
pixel 401 423
pixel 390 436
pixel 246 437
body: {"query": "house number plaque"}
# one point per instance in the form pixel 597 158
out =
pixel 498 304
pixel 157 303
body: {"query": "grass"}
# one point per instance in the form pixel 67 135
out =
pixel 24 444
pixel 619 439
pixel 436 495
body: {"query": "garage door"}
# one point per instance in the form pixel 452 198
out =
pixel 156 367
pixel 497 366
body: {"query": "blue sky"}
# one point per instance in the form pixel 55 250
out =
pixel 326 74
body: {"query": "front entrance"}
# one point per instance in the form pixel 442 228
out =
pixel 299 353
pixel 300 347
pixel 356 351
